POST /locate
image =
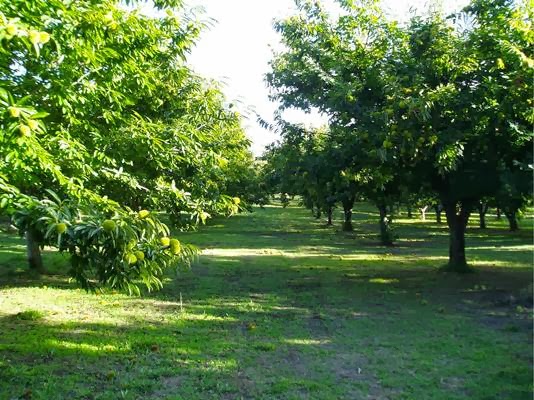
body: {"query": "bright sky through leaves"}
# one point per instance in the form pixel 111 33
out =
pixel 237 49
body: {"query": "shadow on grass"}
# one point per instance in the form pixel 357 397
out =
pixel 279 307
pixel 292 238
pixel 256 344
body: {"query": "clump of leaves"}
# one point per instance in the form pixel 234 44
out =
pixel 265 347
pixel 29 315
pixel 109 245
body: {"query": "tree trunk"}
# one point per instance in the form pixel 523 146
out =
pixel 347 212
pixel 498 213
pixel 511 216
pixel 409 207
pixel 347 223
pixel 385 230
pixel 35 260
pixel 482 210
pixel 438 209
pixel 329 215
pixel 423 212
pixel 457 223
pixel 318 213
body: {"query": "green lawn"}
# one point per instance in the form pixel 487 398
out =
pixel 281 307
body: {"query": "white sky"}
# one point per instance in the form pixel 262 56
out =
pixel 237 48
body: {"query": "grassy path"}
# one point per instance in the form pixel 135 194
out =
pixel 280 307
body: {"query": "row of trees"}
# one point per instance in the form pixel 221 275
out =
pixel 440 107
pixel 102 126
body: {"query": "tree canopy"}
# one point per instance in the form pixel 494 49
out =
pixel 103 120
pixel 442 103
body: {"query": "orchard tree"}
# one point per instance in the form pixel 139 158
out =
pixel 338 66
pixel 290 164
pixel 461 107
pixel 432 103
pixel 117 82
pixel 99 105
pixel 515 193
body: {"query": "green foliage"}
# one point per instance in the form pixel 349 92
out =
pixel 109 246
pixel 439 106
pixel 29 315
pixel 301 164
pixel 125 125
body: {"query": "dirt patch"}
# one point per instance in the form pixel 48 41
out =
pixel 167 386
pixel 298 362
pixel 246 386
pixel 305 283
pixel 317 326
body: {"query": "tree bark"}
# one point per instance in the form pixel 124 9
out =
pixel 35 260
pixel 347 212
pixel 318 213
pixel 482 210
pixel 438 209
pixel 423 212
pixel 511 216
pixel 385 234
pixel 329 215
pixel 498 213
pixel 347 223
pixel 457 222
pixel 409 209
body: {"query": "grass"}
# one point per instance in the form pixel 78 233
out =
pixel 281 307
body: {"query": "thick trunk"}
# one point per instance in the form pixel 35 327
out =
pixel 385 230
pixel 410 215
pixel 511 216
pixel 482 210
pixel 457 223
pixel 329 215
pixel 35 260
pixel 438 209
pixel 498 213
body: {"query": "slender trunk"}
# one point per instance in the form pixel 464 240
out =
pixel 347 212
pixel 438 210
pixel 318 213
pixel 329 215
pixel 423 212
pixel 511 216
pixel 385 230
pixel 35 260
pixel 457 223
pixel 347 223
pixel 409 207
pixel 482 210
pixel 498 213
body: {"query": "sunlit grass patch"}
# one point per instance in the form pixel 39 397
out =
pixel 307 342
pixel 383 280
